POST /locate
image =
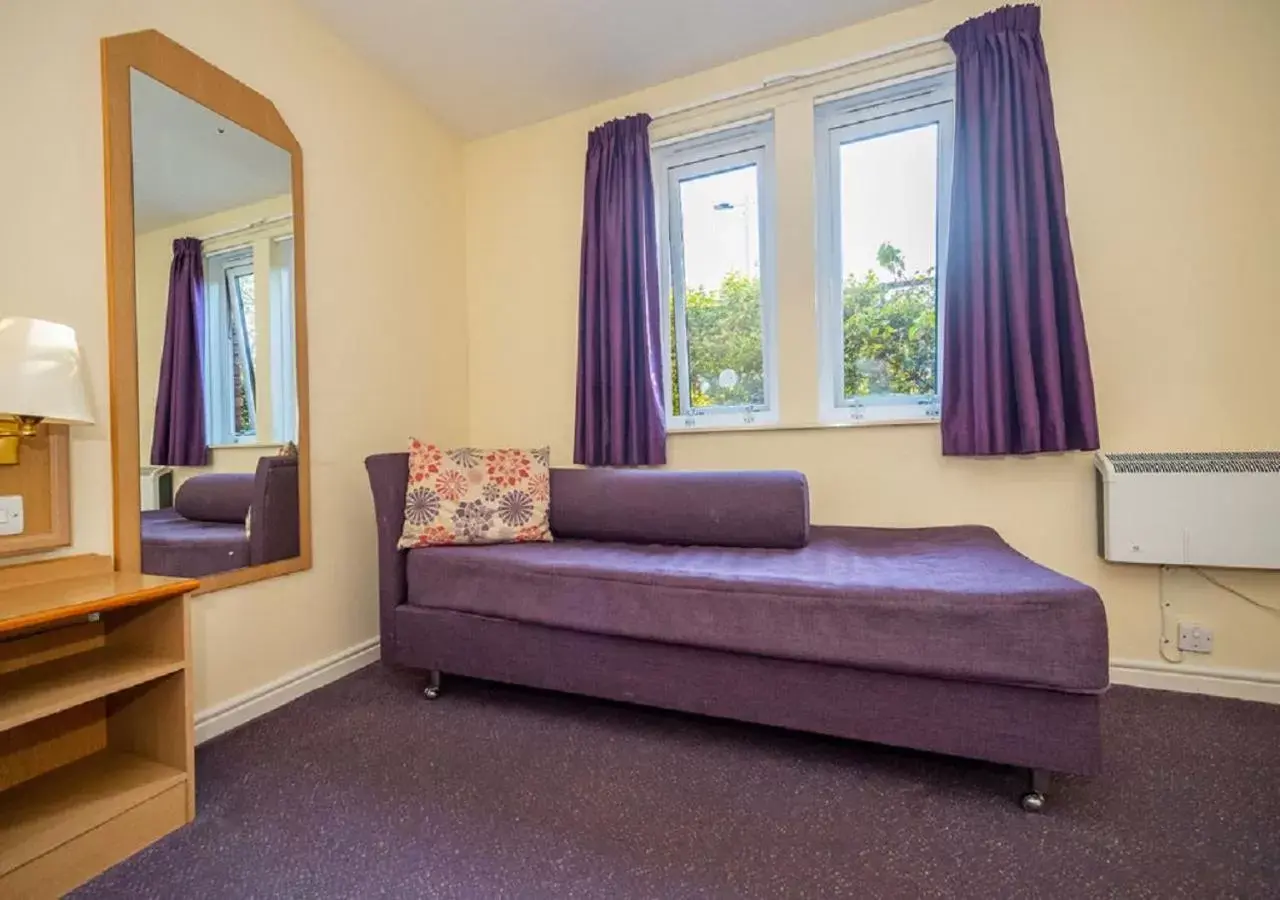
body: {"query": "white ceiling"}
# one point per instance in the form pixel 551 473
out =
pixel 190 162
pixel 484 66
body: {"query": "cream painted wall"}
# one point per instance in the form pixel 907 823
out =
pixel 153 254
pixel 1170 135
pixel 387 324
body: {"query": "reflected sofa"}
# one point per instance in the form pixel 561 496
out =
pixel 223 521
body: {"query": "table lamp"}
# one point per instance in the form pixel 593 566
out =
pixel 41 379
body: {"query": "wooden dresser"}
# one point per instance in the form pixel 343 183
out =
pixel 96 741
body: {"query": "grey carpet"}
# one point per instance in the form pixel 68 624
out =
pixel 363 789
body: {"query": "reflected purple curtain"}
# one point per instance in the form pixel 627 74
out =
pixel 1016 375
pixel 179 437
pixel 619 417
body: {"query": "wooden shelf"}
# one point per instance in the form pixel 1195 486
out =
pixel 97 759
pixel 52 687
pixel 43 814
pixel 41 603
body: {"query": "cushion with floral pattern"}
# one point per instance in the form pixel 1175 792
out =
pixel 473 496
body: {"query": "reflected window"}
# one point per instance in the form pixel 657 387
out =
pixel 230 345
pixel 230 340
pixel 250 384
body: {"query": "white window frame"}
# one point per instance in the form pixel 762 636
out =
pixel 220 407
pixel 284 343
pixel 860 116
pixel 699 156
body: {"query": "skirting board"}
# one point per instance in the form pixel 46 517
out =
pixel 1240 684
pixel 238 710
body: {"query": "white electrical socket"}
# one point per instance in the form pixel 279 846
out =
pixel 1194 638
pixel 11 521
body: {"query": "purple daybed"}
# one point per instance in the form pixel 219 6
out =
pixel 711 593
pixel 205 531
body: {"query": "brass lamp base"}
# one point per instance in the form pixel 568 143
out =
pixel 12 431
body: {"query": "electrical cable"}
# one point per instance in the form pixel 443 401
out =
pixel 1230 590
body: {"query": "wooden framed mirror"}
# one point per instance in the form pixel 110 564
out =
pixel 206 288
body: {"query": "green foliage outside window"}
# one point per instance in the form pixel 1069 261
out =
pixel 724 329
pixel 890 330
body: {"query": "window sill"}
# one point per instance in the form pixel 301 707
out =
pixel 801 426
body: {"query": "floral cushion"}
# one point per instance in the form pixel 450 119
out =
pixel 470 496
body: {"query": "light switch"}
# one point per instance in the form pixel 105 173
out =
pixel 10 515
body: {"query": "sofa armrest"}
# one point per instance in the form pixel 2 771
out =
pixel 388 476
pixel 275 524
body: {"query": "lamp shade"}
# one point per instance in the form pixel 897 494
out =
pixel 40 372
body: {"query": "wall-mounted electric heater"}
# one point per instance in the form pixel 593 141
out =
pixel 1190 509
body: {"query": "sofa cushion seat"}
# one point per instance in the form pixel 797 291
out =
pixel 953 602
pixel 175 545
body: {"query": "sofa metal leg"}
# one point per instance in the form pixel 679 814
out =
pixel 1038 786
pixel 432 690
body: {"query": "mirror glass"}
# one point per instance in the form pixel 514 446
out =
pixel 216 339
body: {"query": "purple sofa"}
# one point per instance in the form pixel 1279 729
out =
pixel 205 532
pixel 711 593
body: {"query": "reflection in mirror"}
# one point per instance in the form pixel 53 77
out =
pixel 216 342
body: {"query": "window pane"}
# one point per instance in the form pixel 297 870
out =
pixel 244 286
pixel 243 318
pixel 888 221
pixel 720 222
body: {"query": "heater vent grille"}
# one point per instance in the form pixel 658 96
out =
pixel 1194 463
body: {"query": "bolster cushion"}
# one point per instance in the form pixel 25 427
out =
pixel 723 509
pixel 215 497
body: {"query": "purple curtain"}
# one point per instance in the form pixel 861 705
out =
pixel 1016 375
pixel 178 438
pixel 620 419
